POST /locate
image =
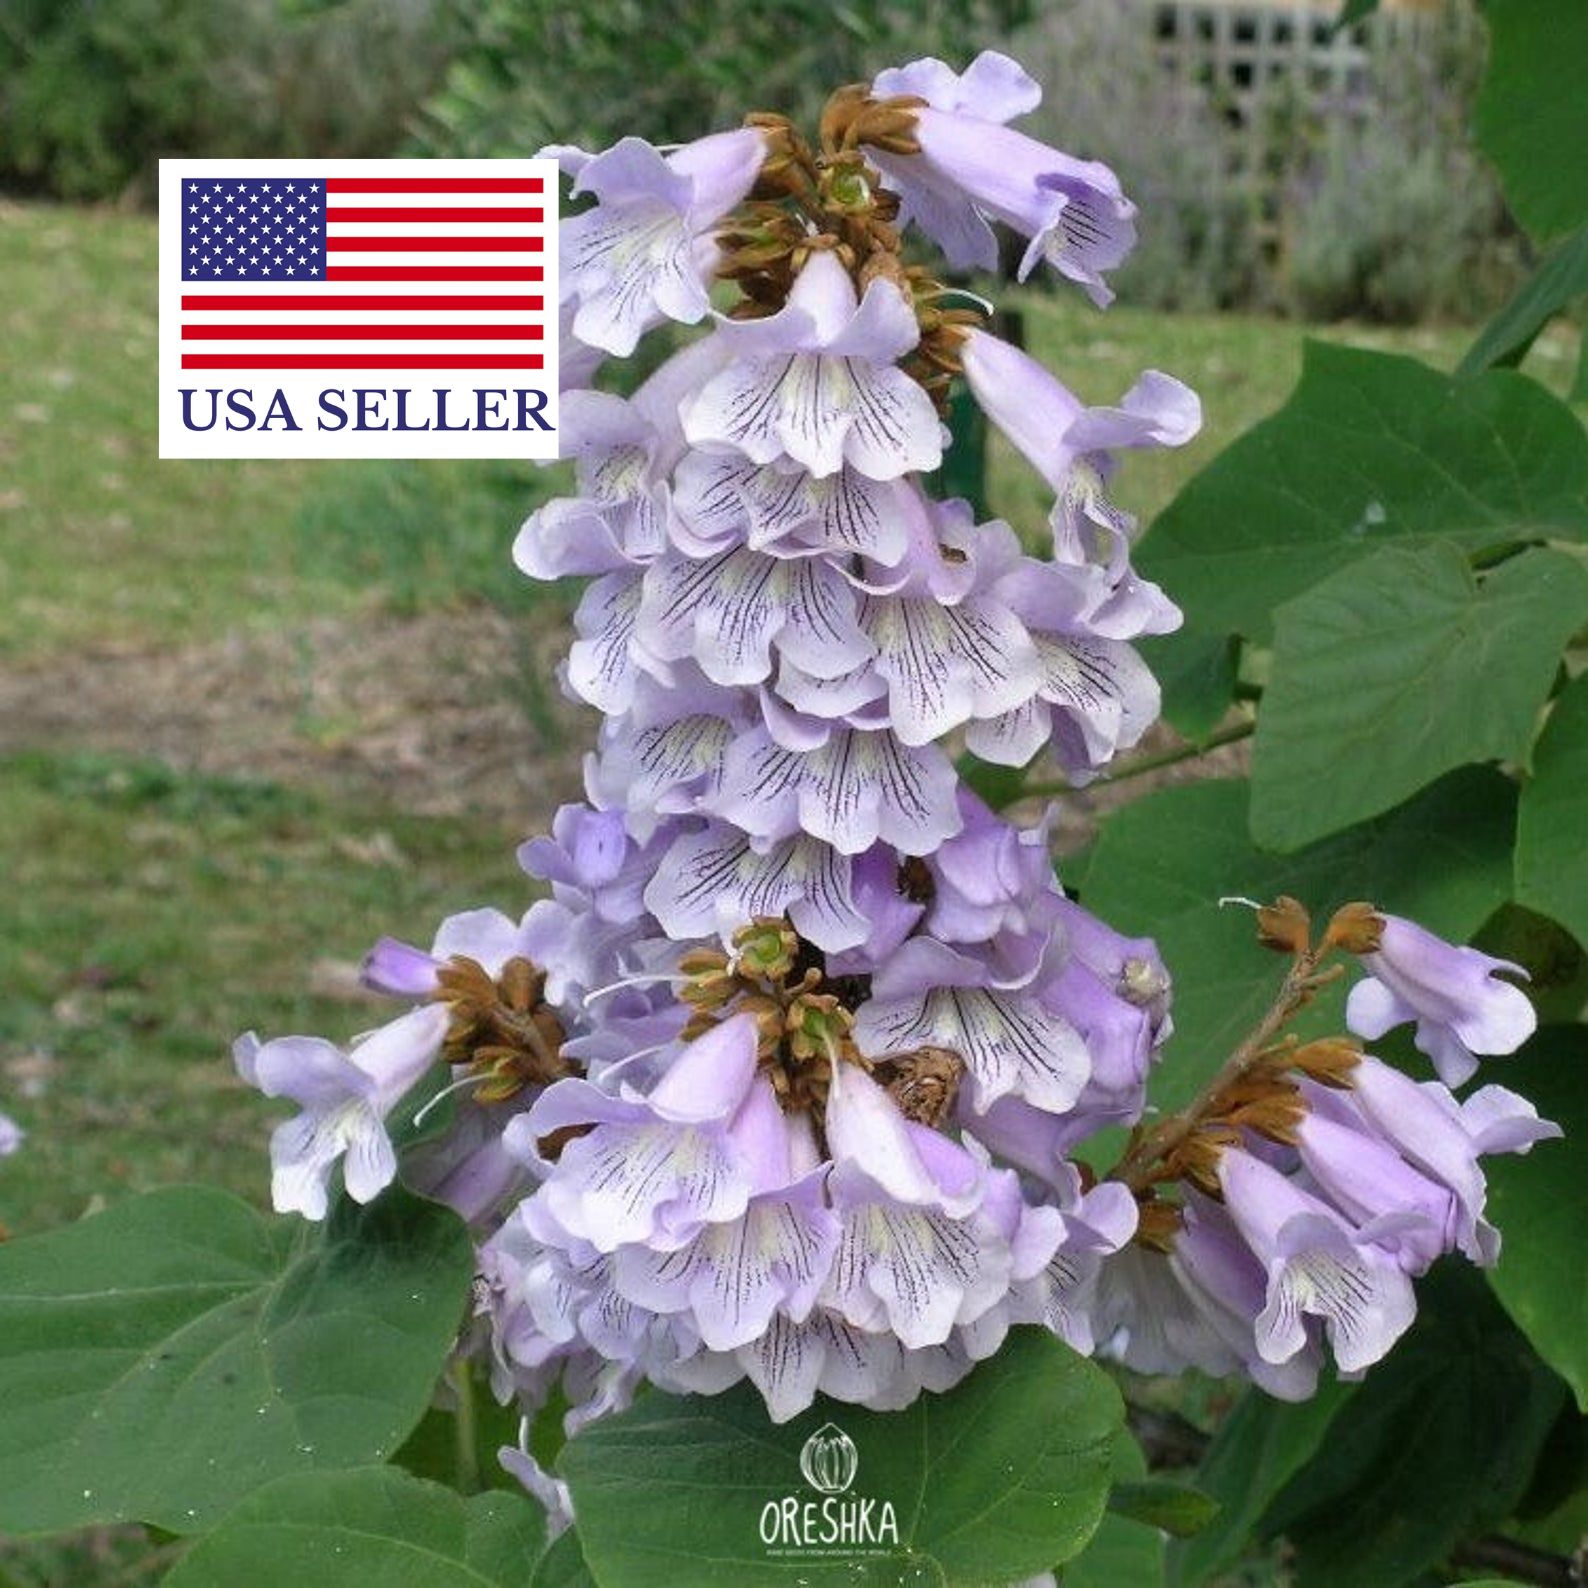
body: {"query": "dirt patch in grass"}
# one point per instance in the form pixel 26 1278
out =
pixel 438 714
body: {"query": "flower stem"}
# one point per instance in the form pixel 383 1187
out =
pixel 1154 1146
pixel 1148 763
pixel 466 1437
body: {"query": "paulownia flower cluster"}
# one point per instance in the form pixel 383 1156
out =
pixel 785 1076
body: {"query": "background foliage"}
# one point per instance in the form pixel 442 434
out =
pixel 1350 213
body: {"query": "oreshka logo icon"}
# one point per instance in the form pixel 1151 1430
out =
pixel 838 1524
pixel 829 1460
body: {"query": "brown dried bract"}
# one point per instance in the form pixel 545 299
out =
pixel 924 1082
pixel 501 1028
pixel 1358 928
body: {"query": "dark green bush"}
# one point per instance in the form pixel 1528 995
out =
pixel 537 71
pixel 94 92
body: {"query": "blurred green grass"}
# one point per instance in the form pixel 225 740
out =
pixel 147 918
pixel 150 915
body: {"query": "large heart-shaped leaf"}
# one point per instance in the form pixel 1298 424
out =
pixel 1399 668
pixel 1259 1447
pixel 997 1480
pixel 1551 858
pixel 1125 1549
pixel 1536 1200
pixel 1162 863
pixel 1371 449
pixel 1531 118
pixel 160 1360
pixel 373 1527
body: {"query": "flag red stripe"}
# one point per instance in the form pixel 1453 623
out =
pixel 433 184
pixel 387 212
pixel 311 302
pixel 362 360
pixel 435 245
pixel 435 273
pixel 362 333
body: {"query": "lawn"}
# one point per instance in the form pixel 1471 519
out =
pixel 227 690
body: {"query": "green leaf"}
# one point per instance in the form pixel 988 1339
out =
pixel 1560 278
pixel 431 1450
pixel 372 1527
pixel 1352 12
pixel 1162 863
pixel 1536 1201
pixel 562 1566
pixel 1124 1552
pixel 1531 118
pixel 1551 858
pixel 1172 1507
pixel 160 1360
pixel 1439 1442
pixel 1370 450
pixel 1001 1478
pixel 1259 1447
pixel 1196 673
pixel 998 785
pixel 1399 668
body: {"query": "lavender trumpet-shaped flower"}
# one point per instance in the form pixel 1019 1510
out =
pixel 644 251
pixel 958 166
pixel 1460 1005
pixel 785 1076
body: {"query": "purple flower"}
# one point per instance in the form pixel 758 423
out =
pixel 714 878
pixel 1094 695
pixel 1441 1137
pixel 817 382
pixel 12 1135
pixel 595 922
pixel 486 936
pixel 728 612
pixel 344 1100
pixel 1081 1230
pixel 1071 447
pixel 1460 1005
pixel 551 1493
pixel 847 787
pixel 723 500
pixel 970 169
pixel 1144 1317
pixel 1010 1041
pixel 734 1276
pixel 1227 1287
pixel 1366 1179
pixel 600 669
pixel 664 757
pixel 658 1166
pixel 619 515
pixel 644 251
pixel 469 1168
pixel 1318 1265
pixel 993 88
pixel 940 663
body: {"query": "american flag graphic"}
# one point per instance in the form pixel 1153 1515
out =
pixel 363 272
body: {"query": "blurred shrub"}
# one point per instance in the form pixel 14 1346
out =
pixel 1106 97
pixel 1395 216
pixel 537 71
pixel 93 92
pixel 1381 210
